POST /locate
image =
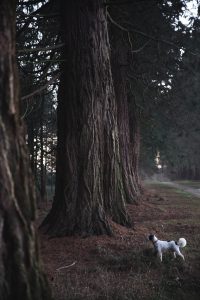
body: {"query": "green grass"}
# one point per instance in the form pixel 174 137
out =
pixel 182 220
pixel 131 271
pixel 189 183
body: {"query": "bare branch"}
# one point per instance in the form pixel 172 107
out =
pixel 41 88
pixel 23 16
pixel 140 48
pixel 112 3
pixel 41 49
pixel 128 30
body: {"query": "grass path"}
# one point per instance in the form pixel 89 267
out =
pixel 191 187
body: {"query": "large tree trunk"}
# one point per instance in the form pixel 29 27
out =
pixel 89 181
pixel 20 274
pixel 127 148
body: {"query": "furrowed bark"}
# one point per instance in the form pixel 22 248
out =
pixel 89 180
pixel 20 271
pixel 127 136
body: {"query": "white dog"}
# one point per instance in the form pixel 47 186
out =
pixel 162 246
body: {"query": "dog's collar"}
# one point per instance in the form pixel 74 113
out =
pixel 155 242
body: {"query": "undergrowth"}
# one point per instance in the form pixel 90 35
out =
pixel 130 275
pixel 134 272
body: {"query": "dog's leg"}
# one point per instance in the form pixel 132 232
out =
pixel 174 254
pixel 180 254
pixel 160 256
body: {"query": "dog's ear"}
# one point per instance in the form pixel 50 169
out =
pixel 151 237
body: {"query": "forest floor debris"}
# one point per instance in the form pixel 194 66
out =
pixel 123 267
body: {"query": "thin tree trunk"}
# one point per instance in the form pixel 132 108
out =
pixel 30 131
pixel 42 165
pixel 89 181
pixel 136 147
pixel 20 272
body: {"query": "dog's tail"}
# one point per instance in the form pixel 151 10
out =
pixel 182 242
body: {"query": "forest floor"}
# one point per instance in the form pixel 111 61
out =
pixel 123 267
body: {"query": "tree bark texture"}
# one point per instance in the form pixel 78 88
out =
pixel 20 272
pixel 136 141
pixel 127 148
pixel 89 181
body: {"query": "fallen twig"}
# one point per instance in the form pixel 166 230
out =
pixel 65 267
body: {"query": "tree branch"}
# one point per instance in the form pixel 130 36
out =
pixel 41 49
pixel 24 16
pixel 148 36
pixel 41 88
pixel 109 3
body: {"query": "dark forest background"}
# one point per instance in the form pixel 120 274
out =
pixel 154 60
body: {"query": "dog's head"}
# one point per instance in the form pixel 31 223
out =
pixel 152 238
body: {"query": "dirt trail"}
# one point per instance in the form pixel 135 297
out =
pixel 193 191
